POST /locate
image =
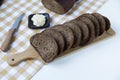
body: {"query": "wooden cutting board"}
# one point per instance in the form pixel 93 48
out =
pixel 31 53
pixel 28 54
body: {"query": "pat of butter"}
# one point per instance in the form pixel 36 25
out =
pixel 38 20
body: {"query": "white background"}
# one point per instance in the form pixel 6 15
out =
pixel 99 61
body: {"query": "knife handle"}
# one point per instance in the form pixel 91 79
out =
pixel 8 40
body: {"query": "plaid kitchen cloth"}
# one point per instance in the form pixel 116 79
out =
pixel 10 10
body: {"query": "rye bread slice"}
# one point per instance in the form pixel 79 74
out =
pixel 84 31
pixel 90 26
pixel 95 22
pixel 67 35
pixel 45 45
pixel 57 36
pixel 101 22
pixel 59 6
pixel 108 24
pixel 76 31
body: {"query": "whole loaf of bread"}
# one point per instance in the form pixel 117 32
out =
pixel 1 1
pixel 59 6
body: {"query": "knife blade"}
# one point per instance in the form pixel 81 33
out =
pixel 8 39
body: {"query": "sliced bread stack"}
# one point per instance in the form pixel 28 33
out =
pixel 78 32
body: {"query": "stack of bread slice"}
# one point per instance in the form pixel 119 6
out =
pixel 78 32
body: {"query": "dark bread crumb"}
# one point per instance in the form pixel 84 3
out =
pixel 45 45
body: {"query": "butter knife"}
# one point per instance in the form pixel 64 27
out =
pixel 8 39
